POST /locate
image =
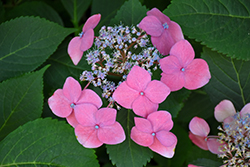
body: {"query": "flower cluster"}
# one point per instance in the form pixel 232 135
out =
pixel 232 143
pixel 122 61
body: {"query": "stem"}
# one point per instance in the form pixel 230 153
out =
pixel 74 21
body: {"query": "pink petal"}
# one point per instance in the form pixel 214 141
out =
pixel 245 109
pixel 214 145
pixel 174 81
pixel 196 74
pixel 175 31
pixel 74 50
pixel 161 149
pixel 138 78
pixel 170 65
pixel 72 89
pixel 198 140
pixel 89 96
pixel 183 51
pixel 105 116
pixel 87 40
pixel 59 104
pixel 112 134
pixel 143 125
pixel 166 138
pixel 85 114
pixel 161 120
pixel 141 138
pixel 142 106
pixel 92 22
pixel 157 13
pixel 87 136
pixel 157 91
pixel 152 26
pixel 71 119
pixel 191 165
pixel 164 42
pixel 223 110
pixel 199 127
pixel 125 95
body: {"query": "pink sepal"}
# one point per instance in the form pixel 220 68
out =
pixel 105 116
pixel 74 50
pixel 160 16
pixel 215 146
pixel 87 136
pixel 200 141
pixel 89 96
pixel 163 150
pixel 72 89
pixel 71 119
pixel 87 40
pixel 92 22
pixel 161 120
pixel 151 25
pixel 199 127
pixel 141 138
pixel 223 110
pixel 166 138
pixel 245 110
pixel 175 31
pixel 85 114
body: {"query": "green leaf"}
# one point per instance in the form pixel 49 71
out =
pixel 21 100
pixel 230 79
pixel 35 8
pixel 26 42
pixel 174 102
pixel 111 6
pixel 222 25
pixel 45 142
pixel 128 153
pixel 2 12
pixel 62 66
pixel 131 13
pixel 206 162
pixel 76 8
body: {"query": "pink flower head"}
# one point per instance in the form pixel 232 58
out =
pixel 65 101
pixel 199 130
pixel 98 126
pixel 82 43
pixel 164 32
pixel 139 93
pixel 180 69
pixel 153 132
pixel 225 111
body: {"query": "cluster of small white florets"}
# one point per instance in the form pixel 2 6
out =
pixel 116 50
pixel 236 135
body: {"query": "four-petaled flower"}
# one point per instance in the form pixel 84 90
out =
pixel 199 130
pixel 139 93
pixel 180 69
pixel 64 102
pixel 164 32
pixel 97 126
pixel 153 132
pixel 82 43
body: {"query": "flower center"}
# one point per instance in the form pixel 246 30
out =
pixel 165 25
pixel 97 127
pixel 153 134
pixel 81 34
pixel 72 105
pixel 141 93
pixel 182 69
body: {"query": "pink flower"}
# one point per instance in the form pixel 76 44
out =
pixel 164 32
pixel 153 132
pixel 191 165
pixel 225 111
pixel 199 130
pixel 65 101
pixel 80 44
pixel 180 69
pixel 97 126
pixel 139 93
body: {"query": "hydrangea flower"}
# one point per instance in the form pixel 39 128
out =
pixel 199 130
pixel 98 126
pixel 180 69
pixel 164 32
pixel 82 43
pixel 225 111
pixel 65 101
pixel 139 93
pixel 153 132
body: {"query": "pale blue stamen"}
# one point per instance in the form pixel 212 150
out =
pixel 183 69
pixel 81 34
pixel 72 105
pixel 97 127
pixel 142 93
pixel 165 25
pixel 153 134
